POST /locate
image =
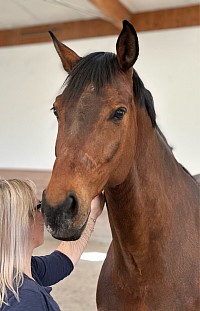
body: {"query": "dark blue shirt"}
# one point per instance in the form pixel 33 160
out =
pixel 35 295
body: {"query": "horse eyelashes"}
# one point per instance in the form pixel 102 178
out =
pixel 118 114
pixel 54 111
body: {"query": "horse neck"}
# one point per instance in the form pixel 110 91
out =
pixel 140 208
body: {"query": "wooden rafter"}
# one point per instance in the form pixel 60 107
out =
pixel 166 19
pixel 64 31
pixel 156 20
pixel 113 10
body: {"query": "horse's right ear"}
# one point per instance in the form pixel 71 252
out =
pixel 68 57
pixel 127 46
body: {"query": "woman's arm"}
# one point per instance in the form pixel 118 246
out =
pixel 74 249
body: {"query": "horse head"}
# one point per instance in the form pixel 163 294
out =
pixel 96 120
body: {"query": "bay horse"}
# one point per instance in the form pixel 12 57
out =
pixel 108 139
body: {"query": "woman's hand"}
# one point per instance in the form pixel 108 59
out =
pixel 97 206
pixel 74 249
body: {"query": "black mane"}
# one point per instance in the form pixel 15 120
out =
pixel 144 97
pixel 99 69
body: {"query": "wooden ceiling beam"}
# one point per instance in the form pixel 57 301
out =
pixel 167 19
pixel 114 10
pixel 145 21
pixel 64 31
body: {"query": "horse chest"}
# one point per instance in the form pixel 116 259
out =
pixel 117 293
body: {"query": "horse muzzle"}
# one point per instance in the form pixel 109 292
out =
pixel 60 220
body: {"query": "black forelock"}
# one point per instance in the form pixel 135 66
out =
pixel 97 69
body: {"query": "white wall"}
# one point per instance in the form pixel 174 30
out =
pixel 31 76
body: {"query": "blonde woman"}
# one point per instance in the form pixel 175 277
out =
pixel 25 279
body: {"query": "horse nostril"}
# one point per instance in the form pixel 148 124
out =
pixel 71 204
pixel 67 209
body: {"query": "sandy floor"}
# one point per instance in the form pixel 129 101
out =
pixel 77 292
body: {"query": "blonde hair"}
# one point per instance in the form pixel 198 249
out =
pixel 17 202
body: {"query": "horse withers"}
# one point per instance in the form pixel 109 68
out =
pixel 108 139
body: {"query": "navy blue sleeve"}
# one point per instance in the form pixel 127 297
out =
pixel 49 270
pixel 29 301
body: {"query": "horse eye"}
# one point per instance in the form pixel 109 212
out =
pixel 118 114
pixel 54 111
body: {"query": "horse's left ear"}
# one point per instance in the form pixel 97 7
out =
pixel 127 46
pixel 68 57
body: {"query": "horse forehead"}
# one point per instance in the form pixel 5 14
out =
pixel 92 101
pixel 80 116
pixel 85 111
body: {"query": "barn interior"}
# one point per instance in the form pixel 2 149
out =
pixel 32 76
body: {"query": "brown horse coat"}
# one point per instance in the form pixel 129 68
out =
pixel 108 139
